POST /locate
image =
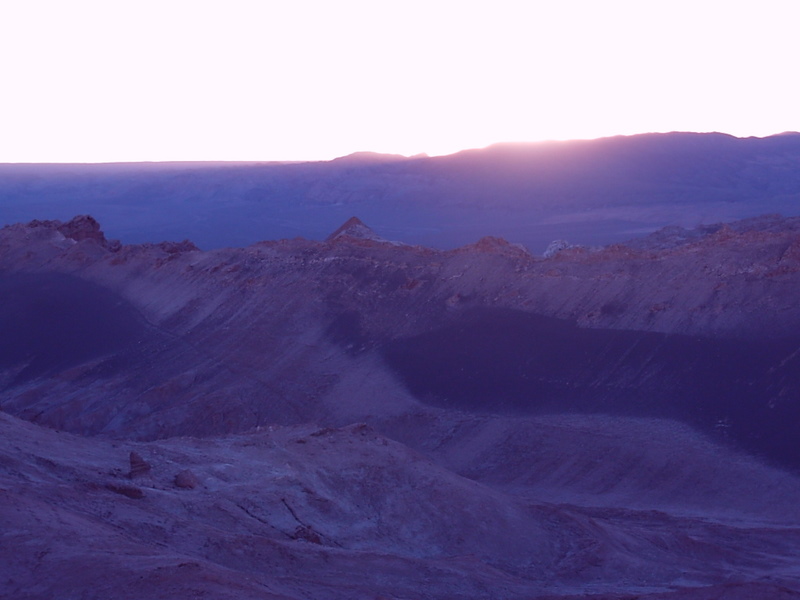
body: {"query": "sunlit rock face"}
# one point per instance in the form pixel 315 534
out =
pixel 361 418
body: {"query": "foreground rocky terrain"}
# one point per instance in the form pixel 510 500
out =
pixel 307 512
pixel 359 418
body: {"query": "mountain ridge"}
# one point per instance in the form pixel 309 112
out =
pixel 529 194
pixel 300 418
pixel 309 304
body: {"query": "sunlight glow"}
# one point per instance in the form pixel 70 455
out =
pixel 252 80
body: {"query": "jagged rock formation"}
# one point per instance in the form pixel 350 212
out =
pixel 523 425
pixel 81 227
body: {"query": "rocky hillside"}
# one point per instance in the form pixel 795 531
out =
pixel 702 326
pixel 268 421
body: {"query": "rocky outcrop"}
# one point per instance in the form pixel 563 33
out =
pixel 355 228
pixel 79 228
pixel 82 227
pixel 139 466
pixel 555 247
pixel 186 479
pixel 355 231
pixel 129 491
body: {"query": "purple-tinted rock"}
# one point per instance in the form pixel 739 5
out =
pixel 186 480
pixel 82 227
pixel 131 491
pixel 139 466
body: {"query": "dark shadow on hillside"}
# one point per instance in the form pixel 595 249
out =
pixel 505 361
pixel 52 321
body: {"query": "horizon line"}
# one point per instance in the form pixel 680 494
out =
pixel 377 155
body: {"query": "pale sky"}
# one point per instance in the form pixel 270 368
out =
pixel 125 80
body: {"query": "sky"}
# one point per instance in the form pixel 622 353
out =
pixel 125 80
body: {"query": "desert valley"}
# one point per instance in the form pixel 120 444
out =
pixel 436 406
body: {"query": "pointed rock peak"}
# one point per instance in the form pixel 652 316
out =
pixel 354 228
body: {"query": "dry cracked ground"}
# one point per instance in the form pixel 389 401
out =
pixel 358 419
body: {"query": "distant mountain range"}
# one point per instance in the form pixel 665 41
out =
pixel 588 192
